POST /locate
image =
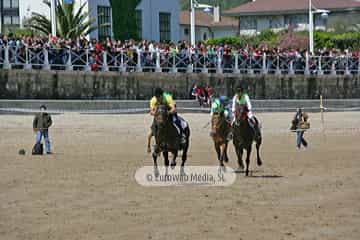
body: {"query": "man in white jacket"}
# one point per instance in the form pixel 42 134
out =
pixel 241 98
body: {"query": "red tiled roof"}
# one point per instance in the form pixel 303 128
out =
pixel 272 6
pixel 206 20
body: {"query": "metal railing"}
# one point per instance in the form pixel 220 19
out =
pixel 132 60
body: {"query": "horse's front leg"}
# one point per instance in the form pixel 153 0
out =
pixel 239 152
pixel 259 162
pixel 156 168
pixel 166 161
pixel 173 161
pixel 248 154
pixel 226 158
pixel 217 149
pixel 149 141
pixel 222 156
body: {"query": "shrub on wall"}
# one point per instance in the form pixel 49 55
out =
pixel 297 40
pixel 266 37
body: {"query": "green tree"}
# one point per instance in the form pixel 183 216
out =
pixel 70 23
pixel 124 19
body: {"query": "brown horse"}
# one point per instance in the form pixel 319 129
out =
pixel 243 138
pixel 167 139
pixel 219 131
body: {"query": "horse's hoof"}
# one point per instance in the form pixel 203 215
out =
pixel 259 162
pixel 173 165
pixel 182 171
pixel 149 150
pixel 241 167
pixel 222 169
pixel 226 159
pixel 156 172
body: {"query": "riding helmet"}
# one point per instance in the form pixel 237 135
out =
pixel 158 92
pixel 223 99
pixel 240 87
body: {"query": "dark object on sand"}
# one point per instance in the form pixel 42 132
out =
pixel 22 152
pixel 38 149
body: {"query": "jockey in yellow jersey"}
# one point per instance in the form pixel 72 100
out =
pixel 241 98
pixel 165 98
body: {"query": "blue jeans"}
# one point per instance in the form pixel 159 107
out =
pixel 300 139
pixel 45 134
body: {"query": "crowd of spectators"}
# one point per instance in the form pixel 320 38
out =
pixel 115 54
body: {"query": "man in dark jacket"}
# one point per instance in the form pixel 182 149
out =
pixel 41 124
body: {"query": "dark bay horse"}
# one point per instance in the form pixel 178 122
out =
pixel 167 139
pixel 243 138
pixel 219 132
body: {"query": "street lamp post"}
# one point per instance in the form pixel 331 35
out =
pixel 311 28
pixel 193 5
pixel 53 17
pixel 324 14
pixel 192 23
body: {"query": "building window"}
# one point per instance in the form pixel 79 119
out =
pixel 275 22
pixel 164 23
pixel 104 22
pixel 15 20
pixel 139 23
pixel 186 31
pixel 7 3
pixel 15 3
pixel 295 20
pixel 204 37
pixel 11 20
pixel 248 23
pixel 11 3
pixel 7 20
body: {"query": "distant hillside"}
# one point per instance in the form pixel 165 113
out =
pixel 225 4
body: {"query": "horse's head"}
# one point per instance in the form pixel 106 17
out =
pixel 241 113
pixel 161 115
pixel 217 121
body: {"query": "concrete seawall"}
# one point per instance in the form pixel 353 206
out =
pixel 140 106
pixel 33 84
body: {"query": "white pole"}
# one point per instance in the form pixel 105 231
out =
pixel 192 23
pixel 311 28
pixel 53 17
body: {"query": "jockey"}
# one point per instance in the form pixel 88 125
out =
pixel 221 106
pixel 242 99
pixel 165 98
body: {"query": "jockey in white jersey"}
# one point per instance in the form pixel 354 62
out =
pixel 242 99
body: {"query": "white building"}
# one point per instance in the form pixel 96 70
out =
pixel 207 26
pixel 9 15
pixel 100 10
pixel 258 15
pixel 159 20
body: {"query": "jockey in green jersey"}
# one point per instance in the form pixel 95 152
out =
pixel 221 106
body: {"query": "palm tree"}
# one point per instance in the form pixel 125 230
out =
pixel 70 23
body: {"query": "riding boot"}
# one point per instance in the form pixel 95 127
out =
pixel 177 122
pixel 255 126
